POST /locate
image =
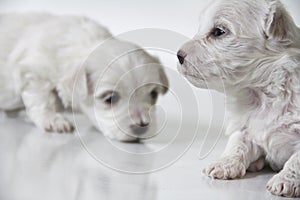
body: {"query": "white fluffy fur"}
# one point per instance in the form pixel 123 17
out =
pixel 257 62
pixel 40 67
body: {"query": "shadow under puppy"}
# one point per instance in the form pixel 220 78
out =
pixel 47 60
pixel 250 50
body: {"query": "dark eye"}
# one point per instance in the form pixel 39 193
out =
pixel 217 32
pixel 111 98
pixel 154 94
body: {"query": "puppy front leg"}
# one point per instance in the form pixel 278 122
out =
pixel 42 108
pixel 240 152
pixel 287 182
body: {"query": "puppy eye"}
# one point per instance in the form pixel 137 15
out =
pixel 110 98
pixel 217 32
pixel 154 94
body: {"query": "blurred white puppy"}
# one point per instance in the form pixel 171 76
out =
pixel 252 49
pixel 40 68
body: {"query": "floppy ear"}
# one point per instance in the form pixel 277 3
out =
pixel 74 87
pixel 164 80
pixel 278 21
pixel 162 75
pixel 83 85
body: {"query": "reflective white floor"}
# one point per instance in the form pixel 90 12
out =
pixel 36 166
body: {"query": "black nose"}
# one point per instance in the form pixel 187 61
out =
pixel 143 124
pixel 181 56
pixel 139 130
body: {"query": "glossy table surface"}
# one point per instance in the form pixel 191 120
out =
pixel 85 165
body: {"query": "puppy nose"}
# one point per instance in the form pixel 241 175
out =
pixel 138 130
pixel 143 124
pixel 181 56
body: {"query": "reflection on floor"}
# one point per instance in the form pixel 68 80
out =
pixel 85 165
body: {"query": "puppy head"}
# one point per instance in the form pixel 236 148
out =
pixel 124 84
pixel 233 36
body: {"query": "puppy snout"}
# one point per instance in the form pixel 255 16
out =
pixel 181 56
pixel 143 124
pixel 139 129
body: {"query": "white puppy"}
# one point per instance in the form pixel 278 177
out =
pixel 40 68
pixel 252 48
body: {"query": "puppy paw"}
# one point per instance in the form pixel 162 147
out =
pixel 226 168
pixel 58 124
pixel 284 184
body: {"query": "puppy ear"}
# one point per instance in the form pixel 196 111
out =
pixel 164 80
pixel 74 87
pixel 162 76
pixel 278 21
pixel 81 84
